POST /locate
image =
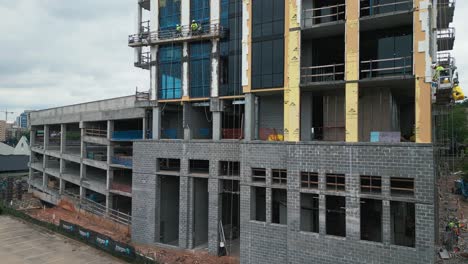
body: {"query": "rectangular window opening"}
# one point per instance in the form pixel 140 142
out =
pixel 258 175
pixel 199 166
pixel 403 224
pixel 258 202
pixel 371 220
pixel 336 182
pixel 371 184
pixel 336 215
pixel 279 176
pixel 229 168
pixel 310 212
pixel 169 165
pixel 279 206
pixel 309 180
pixel 402 186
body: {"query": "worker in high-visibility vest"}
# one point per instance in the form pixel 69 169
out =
pixel 437 70
pixel 194 26
pixel 457 92
pixel 178 28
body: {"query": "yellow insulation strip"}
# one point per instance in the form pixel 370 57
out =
pixel 292 95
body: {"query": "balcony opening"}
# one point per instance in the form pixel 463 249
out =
pixel 200 209
pixel 73 139
pixel 279 206
pixel 96 129
pixel 258 175
pixel 171 165
pixel 95 197
pixel 336 215
pixel 54 137
pixel 377 7
pixel 37 160
pixel 123 154
pixel 128 130
pixel 53 184
pixel 401 186
pixel 52 164
pixel 310 212
pixel 170 72
pixel 95 177
pixel 322 60
pixel 37 178
pixel 386 53
pixel 71 189
pixel 309 180
pixel 233 120
pixel 169 210
pixel 122 181
pixel 230 215
pixel 200 120
pixel 323 115
pixel 270 116
pixel 229 168
pixel 38 136
pixel 371 220
pixel 387 112
pixel 95 152
pixel 322 11
pixel 171 121
pixel 122 204
pixel 71 171
pixel 403 223
pixel 199 167
pixel 258 204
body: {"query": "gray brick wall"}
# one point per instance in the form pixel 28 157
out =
pixel 264 242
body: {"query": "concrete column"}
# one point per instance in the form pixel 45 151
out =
pixel 214 68
pixel 185 71
pixel 110 129
pixel 215 6
pixel 154 72
pixel 154 16
pixel 82 130
pixel 249 126
pixel 156 123
pixel 386 228
pixel 46 136
pixel 61 186
pixel 187 108
pixel 63 138
pixel 217 123
pixel 214 215
pixel 82 192
pixel 353 223
pixel 138 31
pixel 352 70
pixel 185 12
pixel 185 215
pixel 32 137
pixel 108 202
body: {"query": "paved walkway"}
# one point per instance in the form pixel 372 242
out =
pixel 29 244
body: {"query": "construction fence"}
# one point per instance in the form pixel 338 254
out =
pixel 91 238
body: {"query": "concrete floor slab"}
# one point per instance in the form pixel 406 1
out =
pixel 22 243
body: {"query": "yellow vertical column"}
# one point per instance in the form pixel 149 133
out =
pixel 423 98
pixel 352 70
pixel 292 93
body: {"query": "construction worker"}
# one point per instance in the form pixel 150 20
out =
pixel 438 69
pixel 178 29
pixel 195 26
pixel 457 92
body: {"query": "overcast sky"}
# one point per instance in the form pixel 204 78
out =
pixel 58 52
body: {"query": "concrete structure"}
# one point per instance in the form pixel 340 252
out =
pixel 85 150
pixel 3 130
pixel 346 85
pixel 288 131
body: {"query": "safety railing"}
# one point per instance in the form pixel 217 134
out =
pixel 320 15
pixel 126 161
pixel 446 33
pixel 127 135
pixel 387 67
pixel 182 33
pixel 445 59
pixel 372 7
pixel 324 73
pixel 121 187
pixel 96 155
pixel 142 96
pixel 145 27
pixel 101 210
pixel 95 132
pixel 446 3
pixel 144 60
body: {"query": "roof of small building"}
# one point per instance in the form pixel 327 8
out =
pixel 22 148
pixel 5 149
pixel 9 163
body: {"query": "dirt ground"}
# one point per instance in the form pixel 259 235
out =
pixel 117 232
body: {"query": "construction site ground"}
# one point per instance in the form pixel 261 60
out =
pixel 452 206
pixel 24 243
pixel 121 233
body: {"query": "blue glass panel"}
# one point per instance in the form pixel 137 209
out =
pixel 200 69
pixel 169 13
pixel 170 72
pixel 200 11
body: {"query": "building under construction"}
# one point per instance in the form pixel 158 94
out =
pixel 275 131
